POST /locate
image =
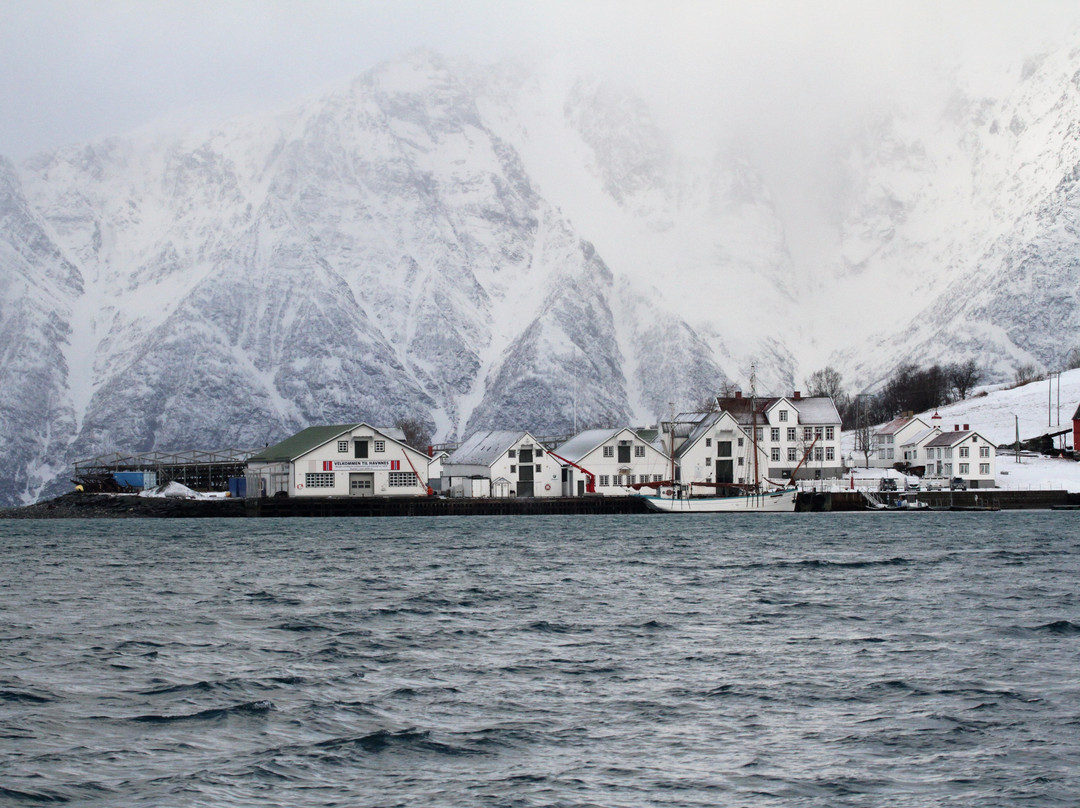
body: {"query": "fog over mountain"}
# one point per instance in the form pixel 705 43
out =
pixel 513 245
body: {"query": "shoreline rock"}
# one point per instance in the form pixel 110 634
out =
pixel 78 505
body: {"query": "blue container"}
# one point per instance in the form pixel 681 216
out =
pixel 238 487
pixel 136 479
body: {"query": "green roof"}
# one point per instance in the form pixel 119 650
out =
pixel 302 442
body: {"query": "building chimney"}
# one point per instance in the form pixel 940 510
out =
pixel 966 427
pixel 798 395
pixel 430 451
pixel 738 394
pixel 956 427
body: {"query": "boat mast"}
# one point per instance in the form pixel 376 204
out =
pixel 671 424
pixel 753 423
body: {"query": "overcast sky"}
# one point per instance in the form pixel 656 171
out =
pixel 78 70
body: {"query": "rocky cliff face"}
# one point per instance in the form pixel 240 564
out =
pixel 493 248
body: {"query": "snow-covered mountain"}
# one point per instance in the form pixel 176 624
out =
pixel 503 247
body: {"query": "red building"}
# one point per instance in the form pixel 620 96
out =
pixel 1076 434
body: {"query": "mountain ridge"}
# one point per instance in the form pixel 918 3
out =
pixel 494 248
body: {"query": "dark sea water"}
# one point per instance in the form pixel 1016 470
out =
pixel 772 660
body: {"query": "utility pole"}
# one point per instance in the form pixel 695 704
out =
pixel 1017 419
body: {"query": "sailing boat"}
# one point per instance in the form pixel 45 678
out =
pixel 736 498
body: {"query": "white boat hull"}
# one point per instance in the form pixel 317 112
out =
pixel 781 500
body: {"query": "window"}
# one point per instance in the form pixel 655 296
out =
pixel 830 433
pixel 380 446
pixel 708 442
pixel 818 432
pixel 984 468
pixel 604 481
pixel 513 469
pixel 539 453
pixel 361 448
pixel 948 469
pixel 657 478
pixel 343 446
pixel 609 451
pixel 512 453
pixel 948 451
pixel 783 415
pixel 776 453
pixel 639 451
pixel 984 451
pixel 740 442
pixel 791 433
pixel 963 451
pixel 791 453
pixel 819 453
pixel 319 480
pixel 741 460
pixel 402 479
pixel 723 448
pixel 774 434
pixel 759 433
pixel 708 461
pixel 807 433
pixel 538 467
pixel 964 468
pixel 633 479
pixel 830 453
pixel 890 454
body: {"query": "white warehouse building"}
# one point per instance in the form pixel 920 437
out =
pixel 356 460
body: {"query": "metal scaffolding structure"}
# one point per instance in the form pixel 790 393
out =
pixel 197 469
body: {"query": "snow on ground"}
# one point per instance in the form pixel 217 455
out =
pixel 175 490
pixel 995 414
pixel 1035 406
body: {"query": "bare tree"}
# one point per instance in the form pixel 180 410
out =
pixel 964 376
pixel 825 382
pixel 828 382
pixel 417 433
pixel 1072 358
pixel 1024 374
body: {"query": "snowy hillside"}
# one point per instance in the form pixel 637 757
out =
pixel 997 413
pixel 513 246
pixel 1034 405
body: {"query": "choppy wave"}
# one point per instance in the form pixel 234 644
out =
pixel 630 661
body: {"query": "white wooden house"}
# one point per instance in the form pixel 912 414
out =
pixel 339 461
pixel 501 463
pixel 962 453
pixel 913 450
pixel 434 468
pixel 616 458
pixel 889 439
pixel 792 430
pixel 719 450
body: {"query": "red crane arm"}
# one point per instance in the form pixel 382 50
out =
pixel 590 478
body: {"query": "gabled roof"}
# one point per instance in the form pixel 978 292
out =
pixel 954 437
pixel 301 443
pixel 1076 415
pixel 896 424
pixel 703 426
pixel 584 442
pixel 811 410
pixel 816 410
pixel 742 408
pixel 591 439
pixel 921 435
pixel 484 448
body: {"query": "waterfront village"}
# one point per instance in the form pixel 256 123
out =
pixel 742 441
